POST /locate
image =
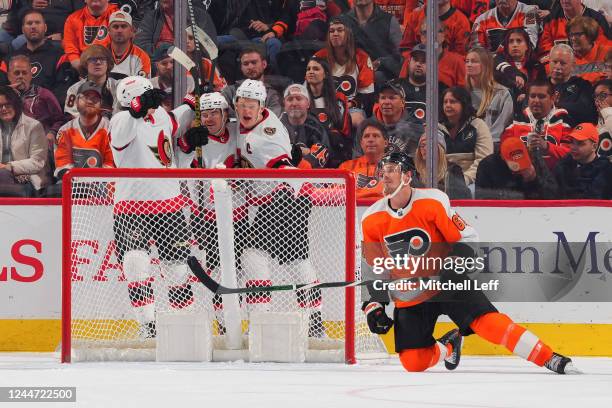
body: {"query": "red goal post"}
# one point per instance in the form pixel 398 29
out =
pixel 98 303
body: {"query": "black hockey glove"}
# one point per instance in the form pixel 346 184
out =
pixel 196 136
pixel 150 99
pixel 378 321
pixel 296 154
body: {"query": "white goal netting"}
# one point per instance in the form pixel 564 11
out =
pixel 129 233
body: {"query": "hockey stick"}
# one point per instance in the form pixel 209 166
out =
pixel 215 287
pixel 179 56
pixel 197 79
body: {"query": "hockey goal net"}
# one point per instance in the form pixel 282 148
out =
pixel 127 234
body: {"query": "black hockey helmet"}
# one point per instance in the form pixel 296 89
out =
pixel 405 162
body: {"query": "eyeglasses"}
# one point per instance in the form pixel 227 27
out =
pixel 96 60
pixel 576 34
pixel 602 96
pixel 6 106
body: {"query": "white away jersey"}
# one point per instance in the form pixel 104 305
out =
pixel 147 143
pixel 266 145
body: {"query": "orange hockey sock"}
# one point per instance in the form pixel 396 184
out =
pixel 500 329
pixel 422 358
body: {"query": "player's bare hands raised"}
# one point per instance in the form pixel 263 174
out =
pixel 150 99
pixel 378 321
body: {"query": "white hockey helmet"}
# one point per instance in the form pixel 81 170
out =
pixel 213 100
pixel 131 87
pixel 252 89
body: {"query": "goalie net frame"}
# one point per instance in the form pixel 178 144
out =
pixel 350 231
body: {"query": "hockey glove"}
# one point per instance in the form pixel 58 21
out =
pixel 151 99
pixel 378 321
pixel 190 100
pixel 196 136
pixel 296 154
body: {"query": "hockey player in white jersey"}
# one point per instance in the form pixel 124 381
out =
pixel 279 232
pixel 142 136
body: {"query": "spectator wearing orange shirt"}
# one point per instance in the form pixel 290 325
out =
pixel 590 54
pixel 457 28
pixel 85 27
pixel 373 140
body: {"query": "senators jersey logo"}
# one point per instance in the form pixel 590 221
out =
pixel 94 33
pixel 163 150
pixel 413 241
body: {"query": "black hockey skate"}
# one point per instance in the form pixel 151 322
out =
pixel 456 340
pixel 315 326
pixel 147 330
pixel 561 365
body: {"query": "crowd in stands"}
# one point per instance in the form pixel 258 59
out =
pixel 525 97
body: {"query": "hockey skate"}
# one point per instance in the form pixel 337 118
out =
pixel 456 340
pixel 561 365
pixel 315 326
pixel 147 330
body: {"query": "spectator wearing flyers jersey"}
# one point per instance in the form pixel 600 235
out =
pixel 130 60
pixel 490 27
pixel 456 24
pixel 85 27
pixel 603 102
pixel 373 140
pixel 590 54
pixel 471 8
pixel 331 108
pixel 351 67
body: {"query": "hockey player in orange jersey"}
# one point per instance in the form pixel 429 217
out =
pixel 415 222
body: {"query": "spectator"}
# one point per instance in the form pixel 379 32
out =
pixel 414 85
pixel 85 27
pixel 541 125
pixel 454 21
pixel 205 66
pixel 490 27
pixel 253 65
pixel 555 25
pixel 38 102
pixel 515 173
pixel 305 130
pixel 129 59
pixel 95 66
pixel 608 65
pixel 517 65
pixel 573 93
pixel 331 109
pixel 351 68
pixel 451 66
pixel 589 54
pixel 450 176
pixel 379 35
pixel 311 20
pixel 468 139
pixel 373 140
pixel 264 22
pixel 85 140
pixel 164 66
pixel 603 101
pixel 43 54
pixel 492 101
pixel 390 111
pixel 157 25
pixel 23 163
pixel 472 8
pixel 56 12
pixel 582 173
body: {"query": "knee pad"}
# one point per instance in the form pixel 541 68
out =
pixel 416 360
pixel 255 264
pixel 136 265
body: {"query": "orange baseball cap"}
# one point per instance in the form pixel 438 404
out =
pixel 585 131
pixel 515 154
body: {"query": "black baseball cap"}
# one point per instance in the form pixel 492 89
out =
pixel 395 86
pixel 89 86
pixel 419 48
pixel 161 52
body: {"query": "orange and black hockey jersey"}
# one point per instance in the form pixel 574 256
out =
pixel 74 150
pixel 427 227
pixel 361 80
pixel 456 35
pixel 489 32
pixel 82 30
pixel 134 62
pixel 471 8
pixel 554 30
pixel 368 185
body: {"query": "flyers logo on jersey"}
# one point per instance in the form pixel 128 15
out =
pixel 413 241
pixel 36 68
pixel 94 33
pixel 459 222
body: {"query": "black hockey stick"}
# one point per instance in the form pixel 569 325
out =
pixel 215 287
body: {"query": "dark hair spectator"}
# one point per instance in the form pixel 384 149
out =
pixel 603 102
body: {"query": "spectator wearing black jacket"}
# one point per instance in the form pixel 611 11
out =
pixel 582 173
pixel 514 173
pixel 379 34
pixel 574 94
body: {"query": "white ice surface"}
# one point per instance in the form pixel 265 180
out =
pixel 499 382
